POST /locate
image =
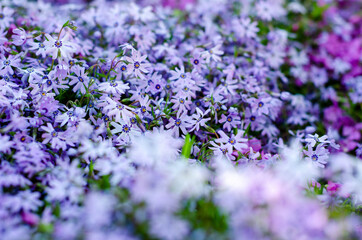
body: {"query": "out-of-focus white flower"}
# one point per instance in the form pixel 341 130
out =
pixel 154 147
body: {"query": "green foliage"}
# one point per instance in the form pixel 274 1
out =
pixel 186 149
pixel 204 214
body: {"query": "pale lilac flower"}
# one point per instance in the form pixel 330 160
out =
pixel 137 64
pixel 312 140
pixel 197 120
pixel 179 75
pixel 230 121
pixel 56 139
pixel 80 80
pixel 181 104
pixel 118 110
pixel 116 88
pixel 245 28
pixel 179 123
pixel 38 47
pixel 19 36
pixel 214 54
pixel 318 156
pixel 261 105
pixel 145 104
pixel 62 48
pixel 70 117
pixel 236 142
pixel 5 17
pixel 6 64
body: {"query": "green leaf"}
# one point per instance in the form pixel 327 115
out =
pixel 186 149
pixel 45 228
pixel 247 130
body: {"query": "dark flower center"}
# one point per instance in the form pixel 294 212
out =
pixel 126 128
pixel 58 44
pixel 178 122
pixel 137 65
pixel 232 141
pixel 133 120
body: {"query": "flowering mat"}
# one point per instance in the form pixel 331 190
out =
pixel 201 120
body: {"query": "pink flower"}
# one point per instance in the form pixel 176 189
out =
pixel 181 4
pixel 333 187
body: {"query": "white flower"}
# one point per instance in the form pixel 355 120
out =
pixel 62 46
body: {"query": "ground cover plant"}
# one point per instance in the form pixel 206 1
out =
pixel 208 119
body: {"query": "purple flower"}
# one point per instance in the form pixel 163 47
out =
pixel 230 121
pixel 19 36
pixel 56 139
pixel 6 64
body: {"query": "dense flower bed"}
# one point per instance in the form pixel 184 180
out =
pixel 209 119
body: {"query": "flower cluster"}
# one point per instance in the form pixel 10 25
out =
pixel 209 119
